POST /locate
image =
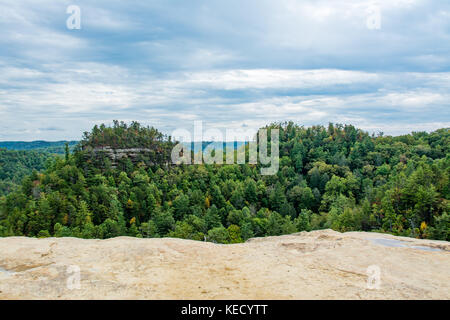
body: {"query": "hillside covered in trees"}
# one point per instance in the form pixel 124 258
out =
pixel 18 159
pixel 16 165
pixel 335 177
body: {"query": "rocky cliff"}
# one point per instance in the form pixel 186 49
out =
pixel 135 155
pixel 315 265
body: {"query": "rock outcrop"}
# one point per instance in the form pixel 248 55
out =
pixel 136 155
pixel 316 265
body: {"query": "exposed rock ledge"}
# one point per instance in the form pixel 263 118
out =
pixel 316 265
pixel 115 155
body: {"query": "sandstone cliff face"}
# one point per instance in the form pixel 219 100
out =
pixel 315 265
pixel 135 155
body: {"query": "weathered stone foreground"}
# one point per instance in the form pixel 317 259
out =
pixel 316 265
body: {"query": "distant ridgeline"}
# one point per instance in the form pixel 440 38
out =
pixel 44 146
pixel 122 146
pixel 217 145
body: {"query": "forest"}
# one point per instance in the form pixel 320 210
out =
pixel 334 176
pixel 16 165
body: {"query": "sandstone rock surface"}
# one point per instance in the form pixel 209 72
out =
pixel 316 265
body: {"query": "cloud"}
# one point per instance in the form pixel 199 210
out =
pixel 169 63
pixel 51 129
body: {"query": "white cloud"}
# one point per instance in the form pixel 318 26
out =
pixel 167 63
pixel 273 78
pixel 113 92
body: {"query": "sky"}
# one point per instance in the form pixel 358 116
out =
pixel 383 66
